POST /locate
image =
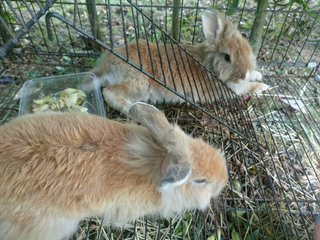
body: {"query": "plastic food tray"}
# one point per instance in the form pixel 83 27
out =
pixel 41 87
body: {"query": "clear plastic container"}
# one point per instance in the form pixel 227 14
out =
pixel 49 86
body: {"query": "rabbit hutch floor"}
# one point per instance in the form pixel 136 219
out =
pixel 273 164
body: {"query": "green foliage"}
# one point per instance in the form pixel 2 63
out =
pixel 233 7
pixel 7 17
pixel 253 225
pixel 176 19
pixel 235 235
pixel 303 3
pixel 216 235
pixel 93 18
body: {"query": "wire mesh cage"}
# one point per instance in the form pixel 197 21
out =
pixel 271 140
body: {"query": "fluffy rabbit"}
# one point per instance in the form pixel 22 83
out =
pixel 224 52
pixel 58 168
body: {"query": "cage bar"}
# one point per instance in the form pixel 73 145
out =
pixel 271 140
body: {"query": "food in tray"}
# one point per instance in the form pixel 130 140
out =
pixel 67 100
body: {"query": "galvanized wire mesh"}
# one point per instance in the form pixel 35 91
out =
pixel 271 140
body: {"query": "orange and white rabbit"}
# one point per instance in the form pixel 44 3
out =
pixel 58 168
pixel 225 51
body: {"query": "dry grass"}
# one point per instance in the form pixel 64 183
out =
pixel 274 186
pixel 273 165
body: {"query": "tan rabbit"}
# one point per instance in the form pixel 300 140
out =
pixel 224 52
pixel 59 168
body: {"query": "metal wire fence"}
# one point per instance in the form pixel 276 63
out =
pixel 271 141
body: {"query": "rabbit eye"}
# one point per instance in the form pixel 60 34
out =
pixel 202 180
pixel 244 35
pixel 227 57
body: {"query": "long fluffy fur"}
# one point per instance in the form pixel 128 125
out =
pixel 179 71
pixel 59 168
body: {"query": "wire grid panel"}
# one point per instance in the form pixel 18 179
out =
pixel 292 28
pixel 271 141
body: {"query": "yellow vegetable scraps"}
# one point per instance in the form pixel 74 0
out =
pixel 70 99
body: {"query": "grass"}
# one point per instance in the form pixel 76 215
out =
pixel 268 194
pixel 273 188
pixel 293 137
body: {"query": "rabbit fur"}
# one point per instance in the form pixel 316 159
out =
pixel 225 51
pixel 58 168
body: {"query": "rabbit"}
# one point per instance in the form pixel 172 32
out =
pixel 58 168
pixel 225 51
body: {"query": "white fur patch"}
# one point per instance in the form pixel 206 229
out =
pixel 253 76
pixel 245 85
pixel 177 200
pixel 239 88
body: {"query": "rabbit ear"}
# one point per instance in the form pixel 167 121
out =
pixel 212 25
pixel 175 165
pixel 150 117
pixel 175 172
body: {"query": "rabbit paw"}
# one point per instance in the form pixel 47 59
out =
pixel 256 76
pixel 253 76
pixel 261 87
